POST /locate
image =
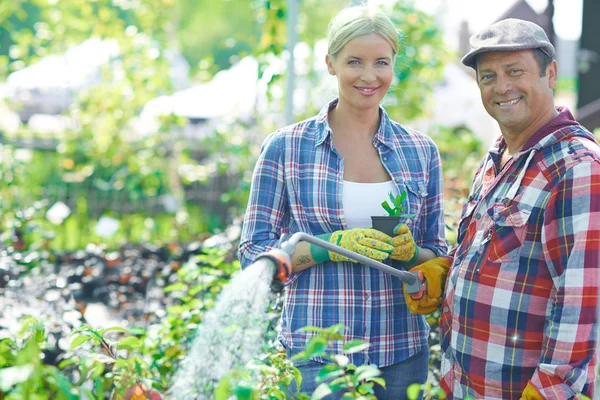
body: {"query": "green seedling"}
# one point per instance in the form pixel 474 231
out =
pixel 395 207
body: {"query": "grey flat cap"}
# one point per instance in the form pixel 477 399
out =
pixel 508 35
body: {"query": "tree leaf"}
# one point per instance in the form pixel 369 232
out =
pixel 130 342
pixel 316 346
pixel 413 391
pixel 379 381
pixel 113 328
pixel 367 372
pixel 321 391
pixel 180 286
pixel 329 372
pixel 102 358
pixel 78 341
pixel 355 346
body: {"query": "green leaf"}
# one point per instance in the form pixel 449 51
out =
pixel 67 362
pixel 355 346
pixel 222 390
pixel 113 328
pixel 179 286
pixel 321 391
pixel 316 346
pixel 102 358
pixel 367 372
pixel 130 342
pixel 88 393
pixel 329 372
pixel 99 388
pixel 12 376
pixel 313 329
pixel 297 377
pixel 243 392
pixel 366 388
pixel 387 208
pixel 413 391
pixel 379 381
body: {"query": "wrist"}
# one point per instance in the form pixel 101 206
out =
pixel 317 253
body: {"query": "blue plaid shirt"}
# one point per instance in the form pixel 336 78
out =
pixel 297 187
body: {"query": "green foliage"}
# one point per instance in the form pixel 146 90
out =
pixel 395 207
pixel 460 151
pixel 419 64
pixel 22 373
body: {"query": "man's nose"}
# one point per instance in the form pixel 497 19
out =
pixel 503 85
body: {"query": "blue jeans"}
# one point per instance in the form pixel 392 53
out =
pixel 398 377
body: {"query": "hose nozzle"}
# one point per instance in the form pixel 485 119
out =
pixel 282 268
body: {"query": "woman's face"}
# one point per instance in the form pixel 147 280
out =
pixel 364 69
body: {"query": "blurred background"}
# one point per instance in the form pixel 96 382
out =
pixel 129 130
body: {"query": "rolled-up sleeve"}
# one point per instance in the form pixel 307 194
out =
pixel 267 204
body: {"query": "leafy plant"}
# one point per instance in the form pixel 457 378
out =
pixel 395 207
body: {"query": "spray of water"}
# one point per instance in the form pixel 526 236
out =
pixel 231 334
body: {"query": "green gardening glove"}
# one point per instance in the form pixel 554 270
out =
pixel 367 242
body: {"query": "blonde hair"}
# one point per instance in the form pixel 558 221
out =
pixel 356 21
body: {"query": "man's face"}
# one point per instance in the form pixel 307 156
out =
pixel 513 92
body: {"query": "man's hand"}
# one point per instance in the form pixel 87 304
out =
pixel 367 242
pixel 435 272
pixel 405 248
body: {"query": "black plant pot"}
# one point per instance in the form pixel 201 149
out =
pixel 386 224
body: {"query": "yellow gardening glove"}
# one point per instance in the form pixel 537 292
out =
pixel 530 393
pixel 367 242
pixel 405 248
pixel 434 272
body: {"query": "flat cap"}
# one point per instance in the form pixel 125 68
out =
pixel 508 35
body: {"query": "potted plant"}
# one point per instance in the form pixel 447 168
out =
pixel 386 223
pixel 395 210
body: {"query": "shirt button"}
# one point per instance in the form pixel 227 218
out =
pixel 447 355
pixel 446 309
pixel 477 216
pixel 366 296
pixel 397 179
pixel 384 158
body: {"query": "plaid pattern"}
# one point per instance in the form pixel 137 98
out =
pixel 522 294
pixel 297 187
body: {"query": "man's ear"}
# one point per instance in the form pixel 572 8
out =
pixel 329 62
pixel 552 72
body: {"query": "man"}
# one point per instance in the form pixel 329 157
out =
pixel 519 315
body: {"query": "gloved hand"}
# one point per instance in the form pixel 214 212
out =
pixel 405 248
pixel 435 272
pixel 530 393
pixel 367 242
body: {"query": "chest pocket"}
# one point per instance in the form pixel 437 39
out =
pixel 416 194
pixel 511 224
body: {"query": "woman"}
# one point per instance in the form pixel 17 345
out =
pixel 326 176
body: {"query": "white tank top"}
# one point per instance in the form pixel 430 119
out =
pixel 361 200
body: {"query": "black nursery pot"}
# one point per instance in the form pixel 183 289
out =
pixel 385 224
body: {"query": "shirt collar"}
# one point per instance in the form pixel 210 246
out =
pixel 383 134
pixel 542 138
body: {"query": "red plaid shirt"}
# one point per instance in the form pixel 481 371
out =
pixel 522 294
